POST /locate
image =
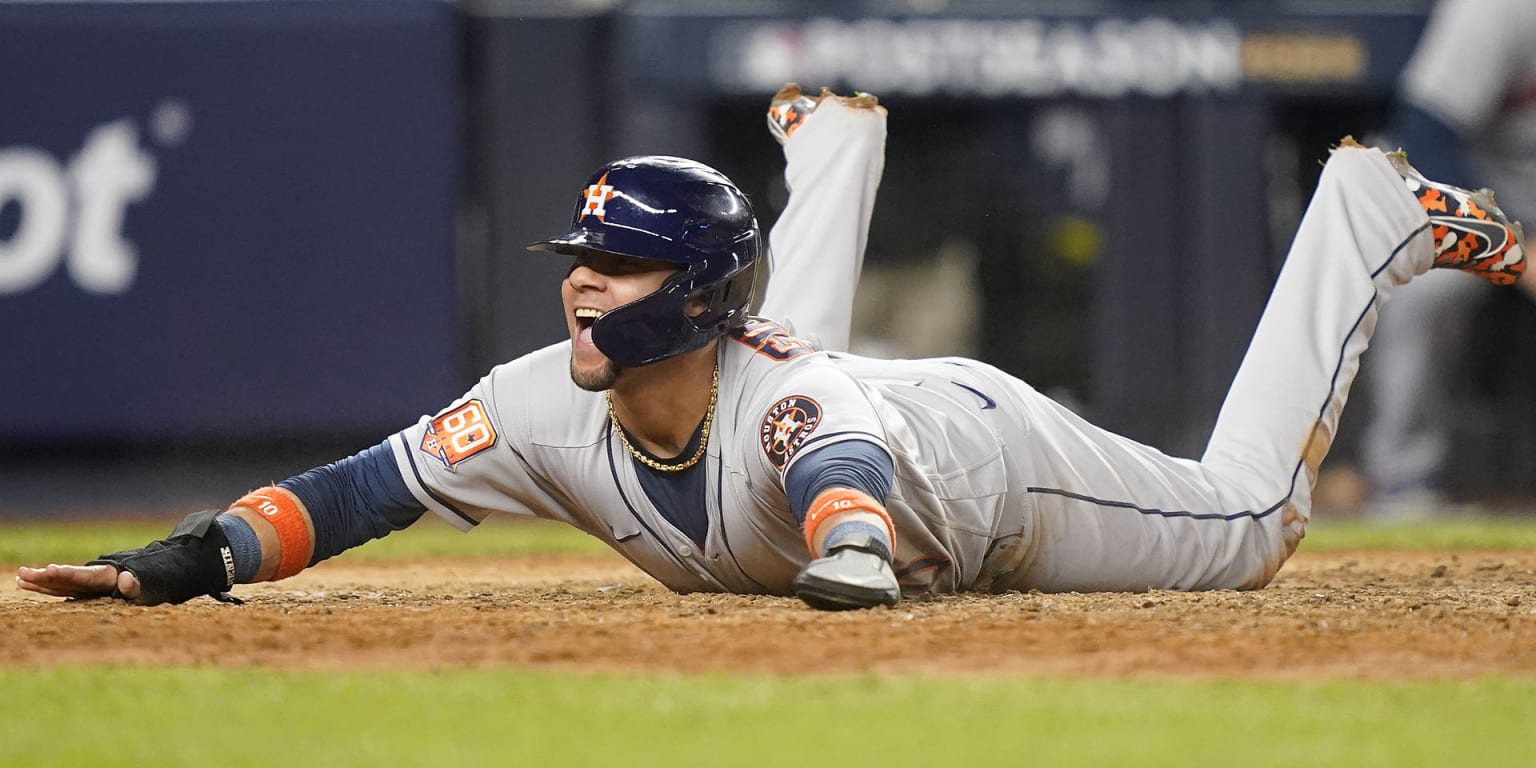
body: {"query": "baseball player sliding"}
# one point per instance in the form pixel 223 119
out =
pixel 720 452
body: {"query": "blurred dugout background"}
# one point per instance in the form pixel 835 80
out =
pixel 242 237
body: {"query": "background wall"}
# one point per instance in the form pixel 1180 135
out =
pixel 227 219
pixel 240 237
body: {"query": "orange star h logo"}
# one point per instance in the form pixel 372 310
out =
pixel 597 198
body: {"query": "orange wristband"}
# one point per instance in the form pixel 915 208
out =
pixel 836 500
pixel 295 544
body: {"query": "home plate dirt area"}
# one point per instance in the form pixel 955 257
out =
pixel 1335 615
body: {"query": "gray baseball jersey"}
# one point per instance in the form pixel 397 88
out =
pixel 527 441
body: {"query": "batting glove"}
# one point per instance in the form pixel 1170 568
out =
pixel 194 560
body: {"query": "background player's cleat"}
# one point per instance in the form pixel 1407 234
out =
pixel 1471 233
pixel 790 108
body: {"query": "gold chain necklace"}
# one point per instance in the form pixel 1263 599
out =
pixel 709 418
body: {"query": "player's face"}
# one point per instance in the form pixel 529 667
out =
pixel 597 283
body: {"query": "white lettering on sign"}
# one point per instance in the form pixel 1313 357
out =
pixel 1106 58
pixel 74 214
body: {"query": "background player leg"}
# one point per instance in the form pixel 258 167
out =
pixel 1415 358
pixel 833 163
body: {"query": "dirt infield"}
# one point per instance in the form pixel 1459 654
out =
pixel 1376 615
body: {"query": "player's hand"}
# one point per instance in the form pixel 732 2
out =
pixel 79 581
pixel 194 560
pixel 847 579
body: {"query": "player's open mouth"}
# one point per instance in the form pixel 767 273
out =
pixel 584 320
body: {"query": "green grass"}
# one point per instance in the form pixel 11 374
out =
pixel 1455 533
pixel 200 717
pixel 494 716
pixel 40 542
pixel 78 541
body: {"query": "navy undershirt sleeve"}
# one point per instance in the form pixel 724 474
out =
pixel 1434 146
pixel 355 500
pixel 857 464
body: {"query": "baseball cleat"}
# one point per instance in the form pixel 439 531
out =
pixel 1471 233
pixel 787 111
pixel 790 108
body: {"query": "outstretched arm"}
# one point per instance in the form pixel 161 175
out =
pixel 269 534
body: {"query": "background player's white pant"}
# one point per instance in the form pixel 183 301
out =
pixel 833 165
pixel 1112 514
pixel 1413 361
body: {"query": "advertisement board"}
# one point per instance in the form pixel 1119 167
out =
pixel 227 218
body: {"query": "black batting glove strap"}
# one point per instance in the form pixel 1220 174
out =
pixel 194 560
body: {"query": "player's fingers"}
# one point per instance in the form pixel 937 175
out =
pixel 40 580
pixel 42 590
pixel 32 586
pixel 68 580
pixel 128 585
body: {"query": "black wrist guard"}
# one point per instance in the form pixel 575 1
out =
pixel 195 559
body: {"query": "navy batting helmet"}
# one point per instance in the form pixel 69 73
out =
pixel 671 210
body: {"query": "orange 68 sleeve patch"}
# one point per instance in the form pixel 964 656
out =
pixel 787 426
pixel 458 434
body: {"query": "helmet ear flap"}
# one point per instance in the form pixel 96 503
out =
pixel 734 296
pixel 725 303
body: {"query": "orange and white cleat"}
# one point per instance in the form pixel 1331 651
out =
pixel 788 110
pixel 791 107
pixel 1471 233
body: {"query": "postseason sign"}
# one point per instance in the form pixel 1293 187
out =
pixel 219 218
pixel 1027 50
